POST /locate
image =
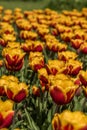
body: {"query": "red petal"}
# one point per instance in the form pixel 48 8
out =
pixel 43 79
pixel 38 48
pixel 7 121
pixel 54 71
pixel 57 96
pixel 83 81
pixel 9 94
pixel 9 60
pixel 20 96
pixel 85 50
pixel 68 127
pixel 2 91
pixel 76 70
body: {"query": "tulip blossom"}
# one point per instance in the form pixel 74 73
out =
pixel 31 45
pixel 6 113
pixel 36 91
pixel 66 55
pixel 55 45
pixel 24 34
pixel 83 77
pixel 23 24
pixel 43 75
pixel 51 43
pixel 36 60
pixel 62 91
pixel 67 36
pixel 7 38
pixel 3 83
pixel 83 48
pixel 17 91
pixel 54 66
pixel 14 58
pixel 68 120
pixel 73 67
pixel 42 31
pixel 12 88
pixel 79 34
pixel 76 43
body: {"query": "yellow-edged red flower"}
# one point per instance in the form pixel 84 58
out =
pixel 73 67
pixel 24 34
pixel 62 90
pixel 55 66
pixel 6 113
pixel 17 91
pixel 67 55
pixel 12 88
pixel 31 45
pixel 68 120
pixel 83 48
pixel 76 43
pixel 14 57
pixel 23 24
pixel 36 91
pixel 83 77
pixel 36 60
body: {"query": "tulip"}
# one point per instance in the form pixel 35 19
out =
pixel 54 66
pixel 43 75
pixel 73 66
pixel 42 31
pixel 83 77
pixel 23 24
pixel 24 34
pixel 62 91
pixel 3 84
pixel 83 48
pixel 14 58
pixel 68 120
pixel 79 34
pixel 76 43
pixel 7 38
pixel 36 91
pixel 66 55
pixel 6 113
pixel 35 46
pixel 66 36
pixel 55 46
pixel 36 60
pixel 52 44
pixel 17 91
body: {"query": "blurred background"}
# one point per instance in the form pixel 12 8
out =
pixel 41 4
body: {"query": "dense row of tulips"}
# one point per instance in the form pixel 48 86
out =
pixel 38 41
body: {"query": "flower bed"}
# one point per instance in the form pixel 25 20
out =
pixel 43 69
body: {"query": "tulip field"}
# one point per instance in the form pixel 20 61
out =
pixel 43 69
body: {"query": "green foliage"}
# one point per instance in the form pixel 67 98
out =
pixel 67 4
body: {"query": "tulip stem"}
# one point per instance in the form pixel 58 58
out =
pixel 58 108
pixel 28 118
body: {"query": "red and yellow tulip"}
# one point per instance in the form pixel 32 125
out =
pixel 68 120
pixel 14 58
pixel 36 60
pixel 6 113
pixel 62 90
